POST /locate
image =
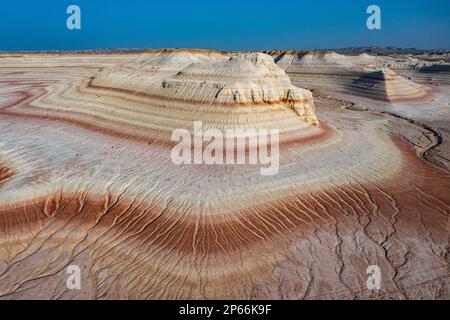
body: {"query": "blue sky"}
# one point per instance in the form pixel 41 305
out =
pixel 225 25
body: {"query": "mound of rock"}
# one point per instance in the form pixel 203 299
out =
pixel 386 85
pixel 173 89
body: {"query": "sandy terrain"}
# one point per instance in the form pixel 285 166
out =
pixel 86 176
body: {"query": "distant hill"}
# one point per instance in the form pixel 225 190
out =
pixel 376 50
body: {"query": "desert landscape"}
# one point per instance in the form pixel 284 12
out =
pixel 86 176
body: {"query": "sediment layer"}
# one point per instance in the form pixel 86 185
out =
pixel 93 185
pixel 387 85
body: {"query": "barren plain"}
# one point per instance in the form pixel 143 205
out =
pixel 86 177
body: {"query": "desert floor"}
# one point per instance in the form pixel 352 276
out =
pixel 86 178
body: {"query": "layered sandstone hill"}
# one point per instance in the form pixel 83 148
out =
pixel 364 75
pixel 172 61
pixel 316 68
pixel 435 73
pixel 325 64
pixel 219 85
pixel 386 85
pixel 159 92
pixel 321 62
pixel 416 69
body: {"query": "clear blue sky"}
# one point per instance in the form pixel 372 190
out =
pixel 223 24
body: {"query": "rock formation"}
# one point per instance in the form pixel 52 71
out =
pixel 365 75
pixel 86 180
pixel 387 85
pixel 225 87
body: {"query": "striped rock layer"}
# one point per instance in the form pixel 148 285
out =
pixel 362 75
pixel 86 180
pixel 387 85
pixel 421 69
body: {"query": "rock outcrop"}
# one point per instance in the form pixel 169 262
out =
pixel 386 85
pixel 222 85
pixel 158 92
